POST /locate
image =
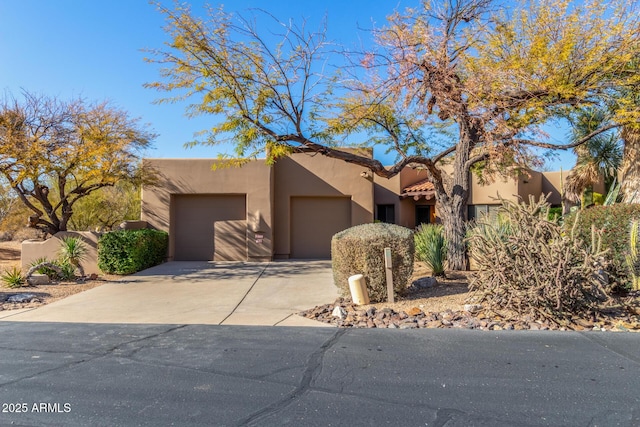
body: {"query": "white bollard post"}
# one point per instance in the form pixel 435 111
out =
pixel 358 288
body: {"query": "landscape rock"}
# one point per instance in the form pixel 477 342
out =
pixel 414 311
pixel 472 308
pixel 37 279
pixel 21 298
pixel 424 282
pixel 344 314
pixel 339 312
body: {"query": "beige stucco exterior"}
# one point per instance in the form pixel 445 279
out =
pixel 279 199
pixel 292 208
pixel 180 177
pixel 289 209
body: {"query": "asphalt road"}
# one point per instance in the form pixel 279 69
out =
pixel 157 375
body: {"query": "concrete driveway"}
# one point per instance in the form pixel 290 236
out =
pixel 211 293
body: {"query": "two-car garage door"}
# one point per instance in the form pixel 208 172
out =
pixel 213 227
pixel 208 227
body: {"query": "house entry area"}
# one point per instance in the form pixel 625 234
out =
pixel 423 214
pixel 314 221
pixel 209 227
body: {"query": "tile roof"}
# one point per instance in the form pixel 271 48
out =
pixel 419 189
pixel 423 185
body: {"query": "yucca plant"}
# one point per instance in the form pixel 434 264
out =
pixel 633 261
pixel 13 278
pixel 431 247
pixel 73 251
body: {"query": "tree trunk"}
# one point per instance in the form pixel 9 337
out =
pixel 630 171
pixel 453 218
pixel 453 197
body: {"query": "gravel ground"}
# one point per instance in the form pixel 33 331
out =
pixel 42 294
pixel 443 306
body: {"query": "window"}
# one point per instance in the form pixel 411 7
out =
pixel 387 213
pixel 423 214
pixel 477 211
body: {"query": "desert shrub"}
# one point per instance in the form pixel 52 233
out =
pixel 129 251
pixel 73 250
pixel 360 250
pixel 533 267
pixel 614 221
pixel 12 278
pixel 431 247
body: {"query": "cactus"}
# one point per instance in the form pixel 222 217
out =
pixel 633 261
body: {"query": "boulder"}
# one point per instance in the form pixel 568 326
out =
pixel 425 282
pixel 38 279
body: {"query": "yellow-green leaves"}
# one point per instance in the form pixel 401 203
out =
pixel 256 85
pixel 73 146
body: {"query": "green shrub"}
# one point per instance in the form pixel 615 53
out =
pixel 554 214
pixel 12 278
pixel 129 251
pixel 67 270
pixel 73 250
pixel 360 250
pixel 532 267
pixel 431 247
pixel 614 221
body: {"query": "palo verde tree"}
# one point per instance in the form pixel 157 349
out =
pixel 449 86
pixel 73 146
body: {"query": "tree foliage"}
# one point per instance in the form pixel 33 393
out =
pixel 107 207
pixel 74 146
pixel 599 158
pixel 459 83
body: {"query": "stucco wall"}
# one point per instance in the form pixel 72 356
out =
pixel 304 175
pixel 196 176
pixel 50 248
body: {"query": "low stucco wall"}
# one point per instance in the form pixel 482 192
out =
pixel 50 249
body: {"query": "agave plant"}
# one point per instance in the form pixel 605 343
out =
pixel 13 278
pixel 431 247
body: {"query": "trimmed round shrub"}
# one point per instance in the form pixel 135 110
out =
pixel 615 223
pixel 360 250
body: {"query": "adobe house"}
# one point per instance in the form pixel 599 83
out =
pixel 292 209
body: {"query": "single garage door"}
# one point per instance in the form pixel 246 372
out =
pixel 194 224
pixel 314 221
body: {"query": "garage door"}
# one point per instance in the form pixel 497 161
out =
pixel 314 220
pixel 194 225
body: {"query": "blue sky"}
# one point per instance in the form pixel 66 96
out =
pixel 93 49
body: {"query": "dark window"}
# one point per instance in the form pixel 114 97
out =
pixel 423 214
pixel 387 213
pixel 477 211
